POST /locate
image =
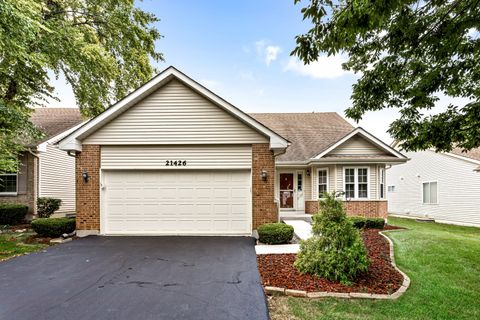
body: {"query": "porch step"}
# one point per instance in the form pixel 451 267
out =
pixel 302 229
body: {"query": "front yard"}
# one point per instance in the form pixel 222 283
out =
pixel 443 263
pixel 14 243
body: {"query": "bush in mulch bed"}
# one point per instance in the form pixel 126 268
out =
pixel 277 270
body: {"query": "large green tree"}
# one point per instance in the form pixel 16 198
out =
pixel 104 48
pixel 407 54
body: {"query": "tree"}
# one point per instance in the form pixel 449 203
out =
pixel 335 251
pixel 104 48
pixel 407 53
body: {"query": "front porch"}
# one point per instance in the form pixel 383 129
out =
pixel 299 189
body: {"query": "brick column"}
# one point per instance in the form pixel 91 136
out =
pixel 369 209
pixel 88 193
pixel 264 209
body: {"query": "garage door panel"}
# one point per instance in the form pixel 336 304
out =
pixel 176 202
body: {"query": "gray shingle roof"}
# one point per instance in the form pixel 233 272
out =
pixel 53 121
pixel 309 133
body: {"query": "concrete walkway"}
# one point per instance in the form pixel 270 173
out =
pixel 302 229
pixel 277 248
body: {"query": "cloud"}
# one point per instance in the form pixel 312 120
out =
pixel 324 68
pixel 268 53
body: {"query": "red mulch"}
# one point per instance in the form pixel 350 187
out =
pixel 277 270
pixel 37 239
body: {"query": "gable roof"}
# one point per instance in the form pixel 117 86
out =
pixel 314 135
pixel 310 133
pixel 73 140
pixel 473 154
pixel 54 121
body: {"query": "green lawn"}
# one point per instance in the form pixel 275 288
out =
pixel 12 244
pixel 443 263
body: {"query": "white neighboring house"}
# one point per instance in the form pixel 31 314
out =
pixel 443 186
pixel 44 170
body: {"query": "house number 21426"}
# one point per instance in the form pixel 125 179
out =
pixel 175 163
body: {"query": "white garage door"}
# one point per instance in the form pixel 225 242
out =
pixel 176 202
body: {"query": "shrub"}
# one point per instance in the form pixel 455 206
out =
pixel 12 213
pixel 358 222
pixel 369 223
pixel 53 227
pixel 47 206
pixel 335 251
pixel 375 223
pixel 275 233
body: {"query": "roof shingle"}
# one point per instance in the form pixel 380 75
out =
pixel 472 154
pixel 53 121
pixel 309 133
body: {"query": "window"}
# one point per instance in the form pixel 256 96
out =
pixel 299 182
pixel 356 183
pixel 430 193
pixel 350 183
pixel 382 183
pixel 8 183
pixel 322 182
pixel 391 188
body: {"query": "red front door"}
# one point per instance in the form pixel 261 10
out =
pixel 286 190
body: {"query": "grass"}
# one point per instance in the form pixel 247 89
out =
pixel 13 244
pixel 443 263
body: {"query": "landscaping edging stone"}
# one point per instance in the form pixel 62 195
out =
pixel 355 295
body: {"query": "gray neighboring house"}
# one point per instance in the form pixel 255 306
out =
pixel 45 171
pixel 444 186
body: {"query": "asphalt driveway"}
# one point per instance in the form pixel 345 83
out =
pixel 135 278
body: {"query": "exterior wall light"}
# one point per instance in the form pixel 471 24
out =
pixel 264 175
pixel 85 176
pixel 308 172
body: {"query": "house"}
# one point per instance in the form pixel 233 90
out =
pixel 444 186
pixel 174 158
pixel 44 170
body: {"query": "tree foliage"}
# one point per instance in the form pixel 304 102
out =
pixel 335 251
pixel 407 53
pixel 104 48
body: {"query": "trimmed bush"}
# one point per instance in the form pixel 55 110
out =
pixel 275 233
pixel 358 222
pixel 335 251
pixel 375 223
pixel 12 213
pixel 369 223
pixel 47 206
pixel 53 227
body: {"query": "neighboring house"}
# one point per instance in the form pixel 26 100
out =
pixel 44 170
pixel 444 186
pixel 174 158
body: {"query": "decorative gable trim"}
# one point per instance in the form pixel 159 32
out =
pixel 73 140
pixel 366 135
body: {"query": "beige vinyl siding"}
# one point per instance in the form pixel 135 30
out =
pixel 458 188
pixel 357 146
pixel 57 178
pixel 307 188
pixel 196 157
pixel 175 114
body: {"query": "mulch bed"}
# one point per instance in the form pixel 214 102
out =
pixel 277 270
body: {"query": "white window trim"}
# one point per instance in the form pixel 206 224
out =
pixel 438 194
pixel 356 183
pixel 318 180
pixel 16 185
pixel 382 172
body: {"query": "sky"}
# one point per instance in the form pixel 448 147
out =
pixel 241 51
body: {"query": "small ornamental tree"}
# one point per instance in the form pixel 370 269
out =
pixel 335 251
pixel 47 206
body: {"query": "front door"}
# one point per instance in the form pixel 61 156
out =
pixel 286 190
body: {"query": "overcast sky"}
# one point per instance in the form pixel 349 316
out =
pixel 241 51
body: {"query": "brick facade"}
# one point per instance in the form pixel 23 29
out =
pixel 88 193
pixel 311 207
pixel 373 209
pixel 27 185
pixel 264 208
